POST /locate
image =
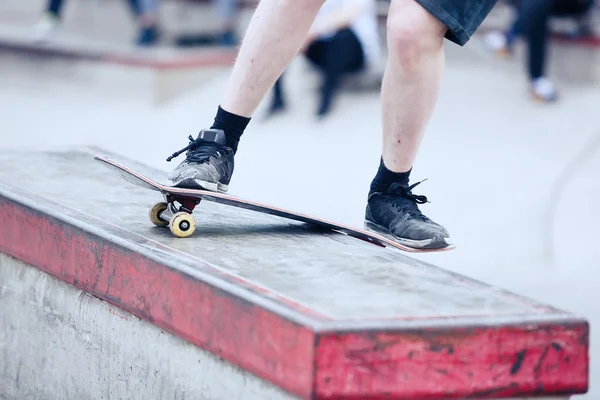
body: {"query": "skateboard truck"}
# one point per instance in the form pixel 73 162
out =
pixel 179 219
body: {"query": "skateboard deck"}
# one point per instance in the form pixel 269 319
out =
pixel 179 203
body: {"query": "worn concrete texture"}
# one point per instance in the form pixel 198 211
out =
pixel 79 347
pixel 340 277
pixel 57 342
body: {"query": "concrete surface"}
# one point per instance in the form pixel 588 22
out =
pixel 303 308
pixel 75 346
pixel 126 357
pixel 339 277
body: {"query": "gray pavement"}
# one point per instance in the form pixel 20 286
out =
pixel 515 182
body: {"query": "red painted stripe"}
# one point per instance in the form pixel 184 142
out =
pixel 458 363
pixel 257 340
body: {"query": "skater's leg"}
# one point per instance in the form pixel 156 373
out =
pixel 276 32
pixel 416 29
pixel 411 81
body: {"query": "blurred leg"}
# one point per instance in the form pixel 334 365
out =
pixel 226 10
pixel 535 15
pixel 148 17
pixel 135 7
pixel 49 21
pixel 278 102
pixel 55 7
pixel 343 54
pixel 149 10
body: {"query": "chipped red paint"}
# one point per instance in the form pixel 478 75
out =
pixel 245 334
pixel 493 362
pixel 437 363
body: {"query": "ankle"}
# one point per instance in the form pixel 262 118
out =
pixel 385 178
pixel 233 125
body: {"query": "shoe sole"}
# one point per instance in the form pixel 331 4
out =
pixel 202 185
pixel 437 242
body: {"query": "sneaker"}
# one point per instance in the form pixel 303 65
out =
pixel 208 164
pixel 45 27
pixel 395 214
pixel 497 43
pixel 543 90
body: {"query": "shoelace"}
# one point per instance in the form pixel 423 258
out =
pixel 404 191
pixel 201 149
pixel 398 190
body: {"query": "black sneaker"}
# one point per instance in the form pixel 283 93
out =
pixel 208 164
pixel 395 214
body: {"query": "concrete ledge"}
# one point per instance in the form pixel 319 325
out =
pixel 57 341
pixel 18 39
pixel 161 74
pixel 310 349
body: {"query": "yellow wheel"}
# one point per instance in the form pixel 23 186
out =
pixel 155 214
pixel 182 224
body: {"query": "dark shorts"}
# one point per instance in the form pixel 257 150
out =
pixel 462 17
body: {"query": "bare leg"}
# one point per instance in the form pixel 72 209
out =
pixel 409 93
pixel 411 82
pixel 276 33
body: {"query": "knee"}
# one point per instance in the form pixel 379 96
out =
pixel 412 33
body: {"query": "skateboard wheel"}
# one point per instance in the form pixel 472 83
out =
pixel 182 225
pixel 155 214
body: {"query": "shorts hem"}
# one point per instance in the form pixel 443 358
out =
pixel 457 33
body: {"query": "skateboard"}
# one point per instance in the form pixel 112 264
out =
pixel 175 212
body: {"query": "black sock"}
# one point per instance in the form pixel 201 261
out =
pixel 385 178
pixel 233 126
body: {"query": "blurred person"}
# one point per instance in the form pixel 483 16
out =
pixel 145 11
pixel 227 11
pixel 415 37
pixel 531 22
pixel 344 39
